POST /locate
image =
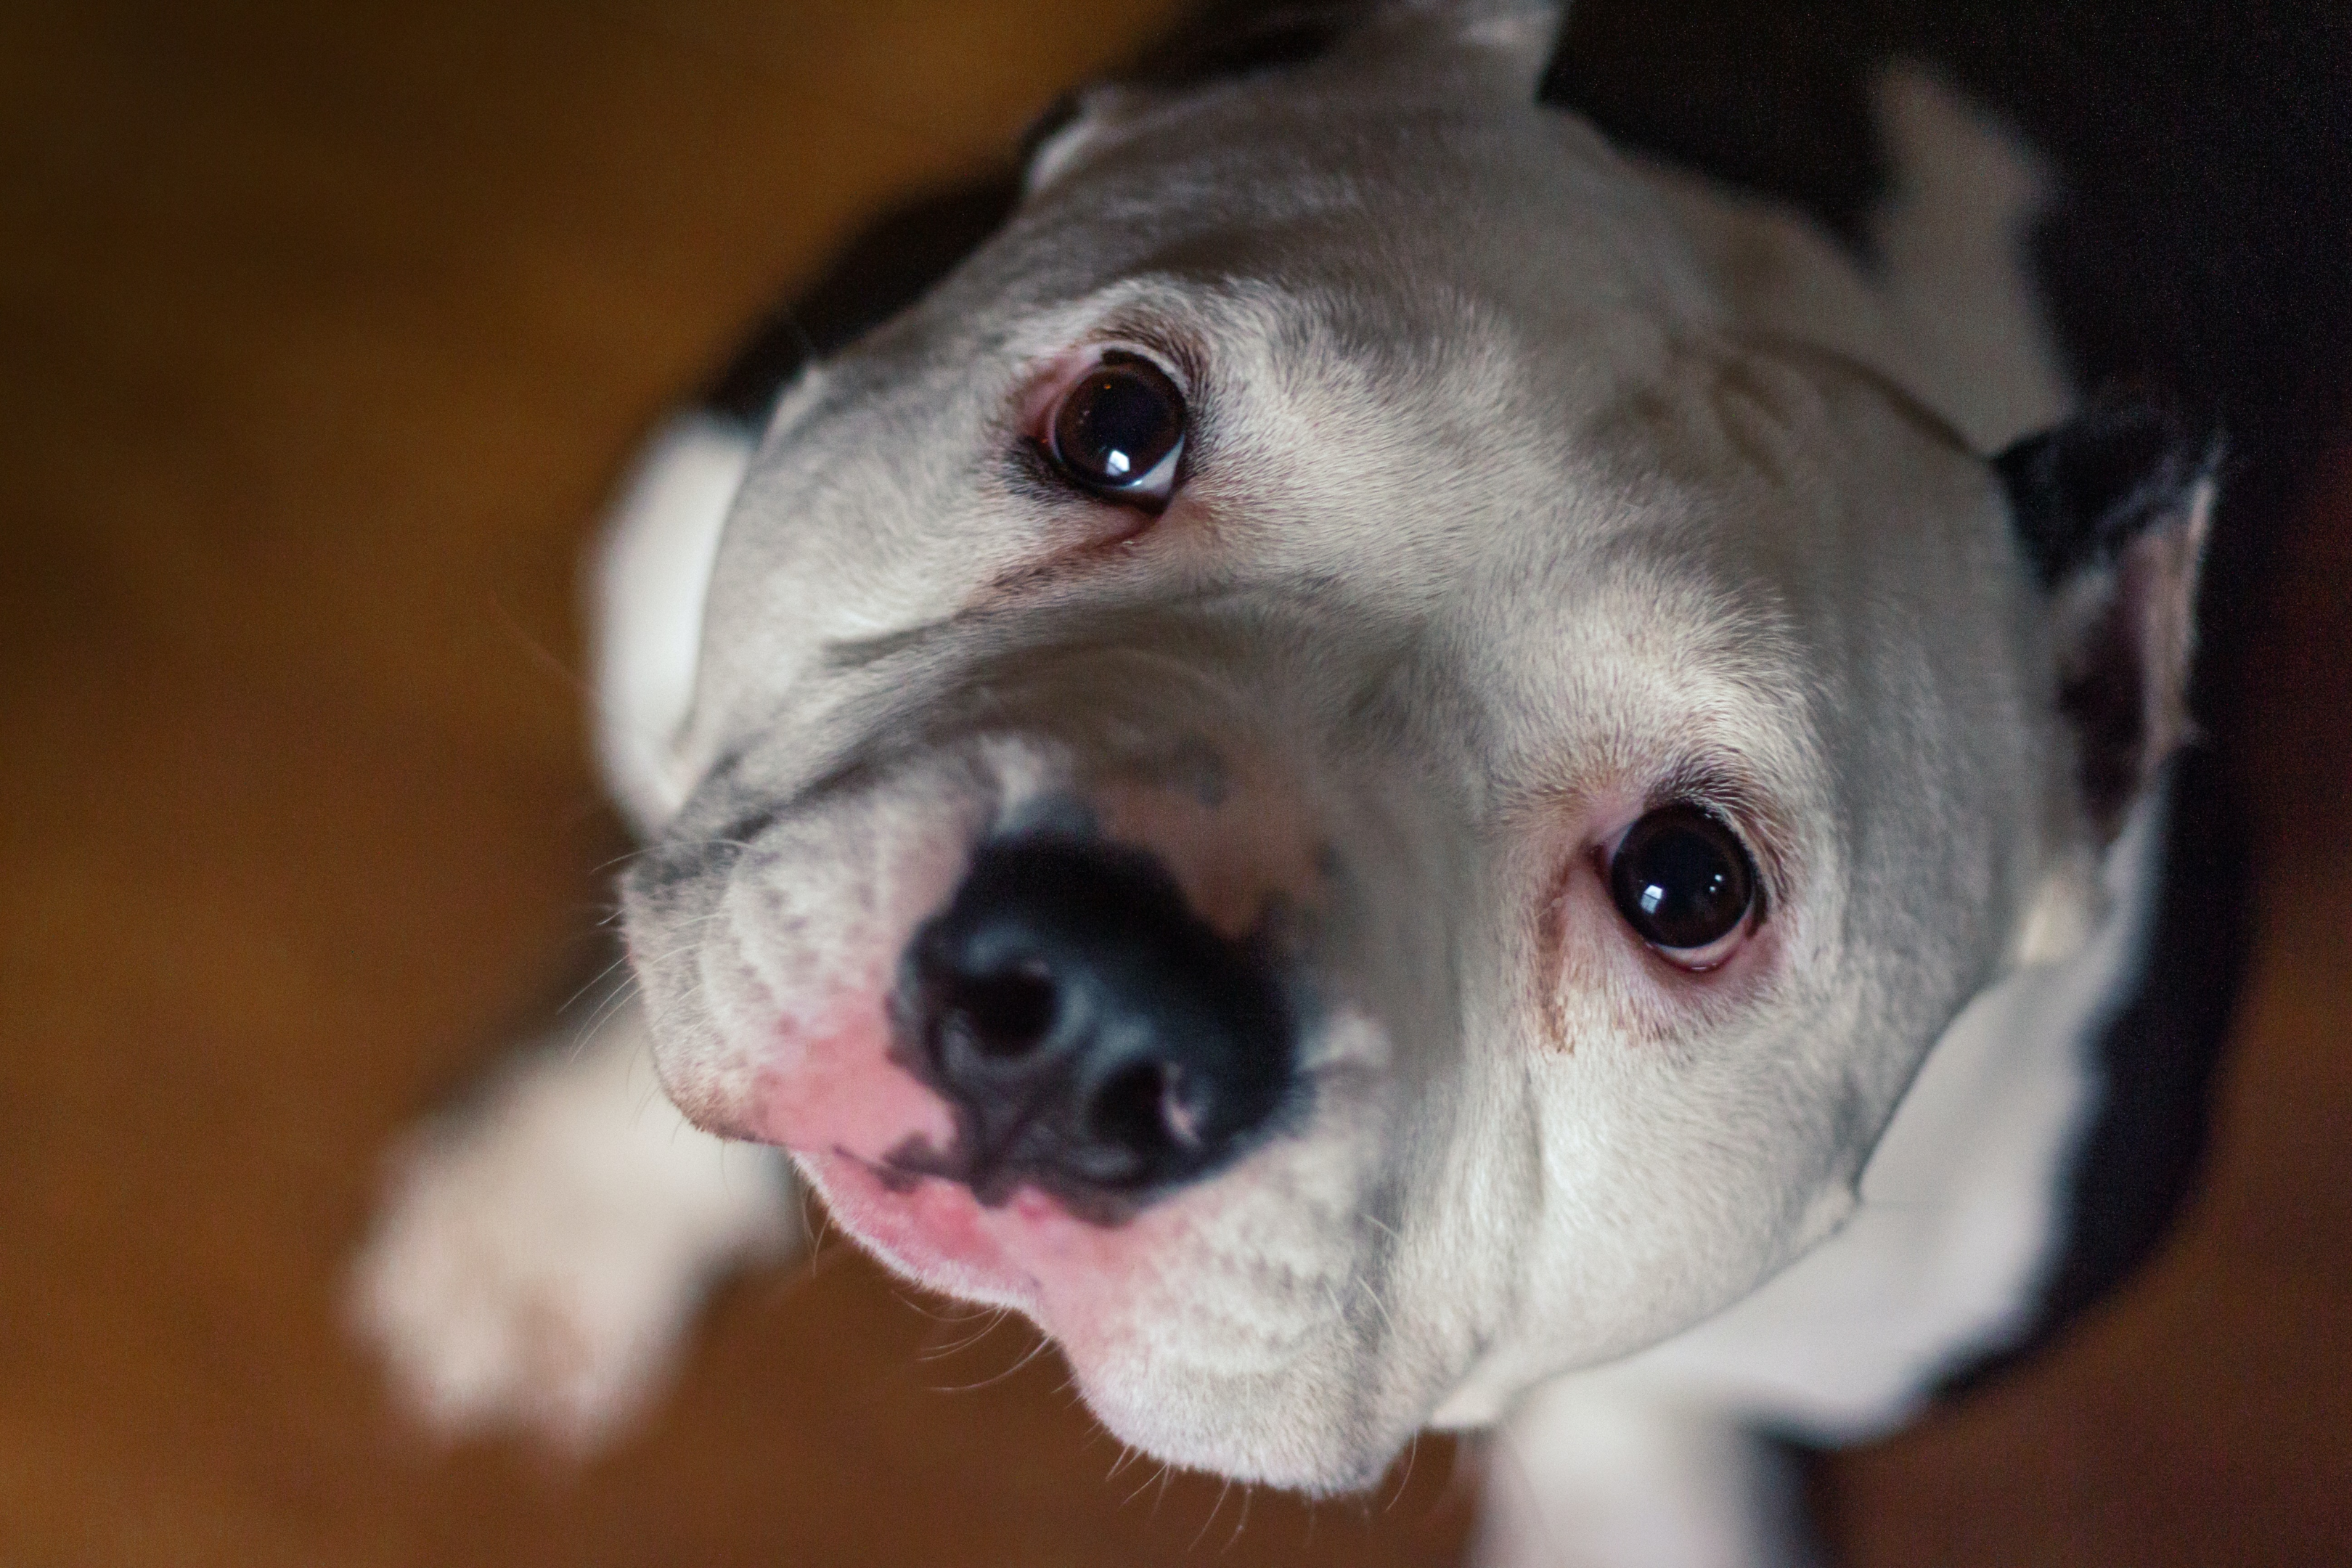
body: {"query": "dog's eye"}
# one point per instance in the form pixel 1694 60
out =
pixel 1120 430
pixel 1683 881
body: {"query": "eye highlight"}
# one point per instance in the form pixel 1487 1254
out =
pixel 1682 878
pixel 1118 431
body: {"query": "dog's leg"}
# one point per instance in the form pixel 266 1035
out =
pixel 539 1255
pixel 1591 1476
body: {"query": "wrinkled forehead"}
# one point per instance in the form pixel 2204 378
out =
pixel 1388 187
pixel 1454 357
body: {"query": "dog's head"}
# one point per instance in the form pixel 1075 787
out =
pixel 1323 774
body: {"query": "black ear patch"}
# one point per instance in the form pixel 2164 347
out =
pixel 2082 492
pixel 2112 509
pixel 1772 99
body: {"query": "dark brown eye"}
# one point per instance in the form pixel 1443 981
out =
pixel 1119 429
pixel 1682 879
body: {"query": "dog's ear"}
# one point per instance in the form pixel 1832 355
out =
pixel 1071 128
pixel 1527 33
pixel 2112 509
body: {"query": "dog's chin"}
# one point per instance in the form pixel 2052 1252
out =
pixel 1165 1368
pixel 1282 1432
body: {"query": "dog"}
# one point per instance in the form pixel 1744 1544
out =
pixel 1441 746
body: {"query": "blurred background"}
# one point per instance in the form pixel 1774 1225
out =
pixel 323 331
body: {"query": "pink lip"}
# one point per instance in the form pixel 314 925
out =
pixel 841 1106
pixel 934 1230
pixel 833 1086
pixel 833 1097
pixel 1075 1278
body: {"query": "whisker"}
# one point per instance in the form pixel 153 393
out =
pixel 987 1322
pixel 1411 1456
pixel 1379 1305
pixel 817 1221
pixel 1145 1486
pixel 1034 1350
pixel 581 688
pixel 1248 1493
pixel 642 850
pixel 593 981
pixel 1217 1509
pixel 606 1011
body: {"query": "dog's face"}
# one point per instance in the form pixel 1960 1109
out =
pixel 1318 775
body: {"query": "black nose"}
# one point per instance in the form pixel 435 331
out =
pixel 1096 1036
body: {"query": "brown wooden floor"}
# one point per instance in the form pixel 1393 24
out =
pixel 321 331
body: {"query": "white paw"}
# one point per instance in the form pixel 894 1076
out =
pixel 1584 1476
pixel 538 1259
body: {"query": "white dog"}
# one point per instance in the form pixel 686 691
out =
pixel 1393 767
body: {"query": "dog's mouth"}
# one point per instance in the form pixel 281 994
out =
pixel 1113 1048
pixel 1085 1042
pixel 933 1230
pixel 1030 1250
pixel 1198 1319
pixel 1063 1039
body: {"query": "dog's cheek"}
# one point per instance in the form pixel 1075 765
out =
pixel 797 964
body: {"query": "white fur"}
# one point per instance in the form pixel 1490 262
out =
pixel 1960 1204
pixel 539 1256
pixel 1591 1477
pixel 646 595
pixel 1951 241
pixel 1960 1207
pixel 1560 434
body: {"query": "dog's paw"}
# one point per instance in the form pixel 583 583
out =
pixel 1585 1476
pixel 537 1259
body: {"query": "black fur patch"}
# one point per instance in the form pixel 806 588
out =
pixel 886 268
pixel 1773 99
pixel 1237 38
pixel 2082 492
pixel 2200 248
pixel 2142 1155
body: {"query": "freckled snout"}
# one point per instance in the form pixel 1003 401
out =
pixel 1095 1037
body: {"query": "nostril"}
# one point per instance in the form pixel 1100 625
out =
pixel 1149 1109
pixel 1001 1016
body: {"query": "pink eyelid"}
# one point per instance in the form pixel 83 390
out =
pixel 1056 376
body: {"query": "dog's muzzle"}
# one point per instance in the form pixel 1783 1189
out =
pixel 1095 1037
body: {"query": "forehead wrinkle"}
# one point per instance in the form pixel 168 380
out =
pixel 1387 174
pixel 1830 362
